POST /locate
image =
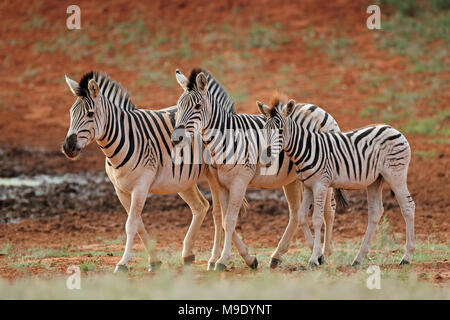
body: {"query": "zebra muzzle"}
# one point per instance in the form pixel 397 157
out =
pixel 269 151
pixel 69 147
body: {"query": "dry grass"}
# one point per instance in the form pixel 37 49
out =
pixel 335 280
pixel 194 285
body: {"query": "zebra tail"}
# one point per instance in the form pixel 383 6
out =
pixel 340 198
pixel 244 207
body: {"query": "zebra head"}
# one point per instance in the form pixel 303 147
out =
pixel 85 121
pixel 193 106
pixel 276 127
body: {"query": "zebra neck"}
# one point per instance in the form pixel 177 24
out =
pixel 221 121
pixel 115 141
pixel 302 146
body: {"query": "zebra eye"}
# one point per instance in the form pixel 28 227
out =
pixel 90 114
pixel 198 106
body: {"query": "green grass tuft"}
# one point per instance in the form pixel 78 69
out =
pixel 36 22
pixel 426 126
pixel 5 249
pixel 88 266
pixel 384 239
pixel 425 154
pixel 369 112
pixel 260 37
pixel 239 95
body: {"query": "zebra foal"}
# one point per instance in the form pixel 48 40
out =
pixel 358 159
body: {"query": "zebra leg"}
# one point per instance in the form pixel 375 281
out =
pixel 307 203
pixel 153 261
pixel 251 261
pixel 135 225
pixel 199 207
pixel 293 194
pixel 217 216
pixel 235 200
pixel 125 200
pixel 407 206
pixel 329 213
pixel 320 195
pixel 375 210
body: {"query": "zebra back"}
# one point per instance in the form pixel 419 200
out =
pixel 315 118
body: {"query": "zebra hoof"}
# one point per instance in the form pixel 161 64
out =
pixel 188 260
pixel 121 268
pixel 321 260
pixel 313 264
pixel 355 263
pixel 274 263
pixel 210 266
pixel 220 267
pixel 254 265
pixel 403 262
pixel 154 266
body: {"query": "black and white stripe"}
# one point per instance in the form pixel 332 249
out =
pixel 138 149
pixel 231 138
pixel 236 144
pixel 131 137
pixel 359 159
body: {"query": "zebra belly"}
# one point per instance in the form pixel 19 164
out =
pixel 272 181
pixel 172 180
pixel 169 187
pixel 343 183
pixel 163 183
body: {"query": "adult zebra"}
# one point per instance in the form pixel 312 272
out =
pixel 357 159
pixel 138 148
pixel 234 141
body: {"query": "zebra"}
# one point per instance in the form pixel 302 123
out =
pixel 205 107
pixel 358 159
pixel 137 146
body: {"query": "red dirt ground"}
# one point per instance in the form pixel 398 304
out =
pixel 35 114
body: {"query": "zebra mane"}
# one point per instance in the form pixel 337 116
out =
pixel 192 85
pixel 109 88
pixel 227 104
pixel 277 102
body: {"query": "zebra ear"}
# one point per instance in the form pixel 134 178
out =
pixel 181 78
pixel 287 110
pixel 73 85
pixel 202 82
pixel 265 110
pixel 93 88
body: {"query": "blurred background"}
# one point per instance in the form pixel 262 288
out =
pixel 318 52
